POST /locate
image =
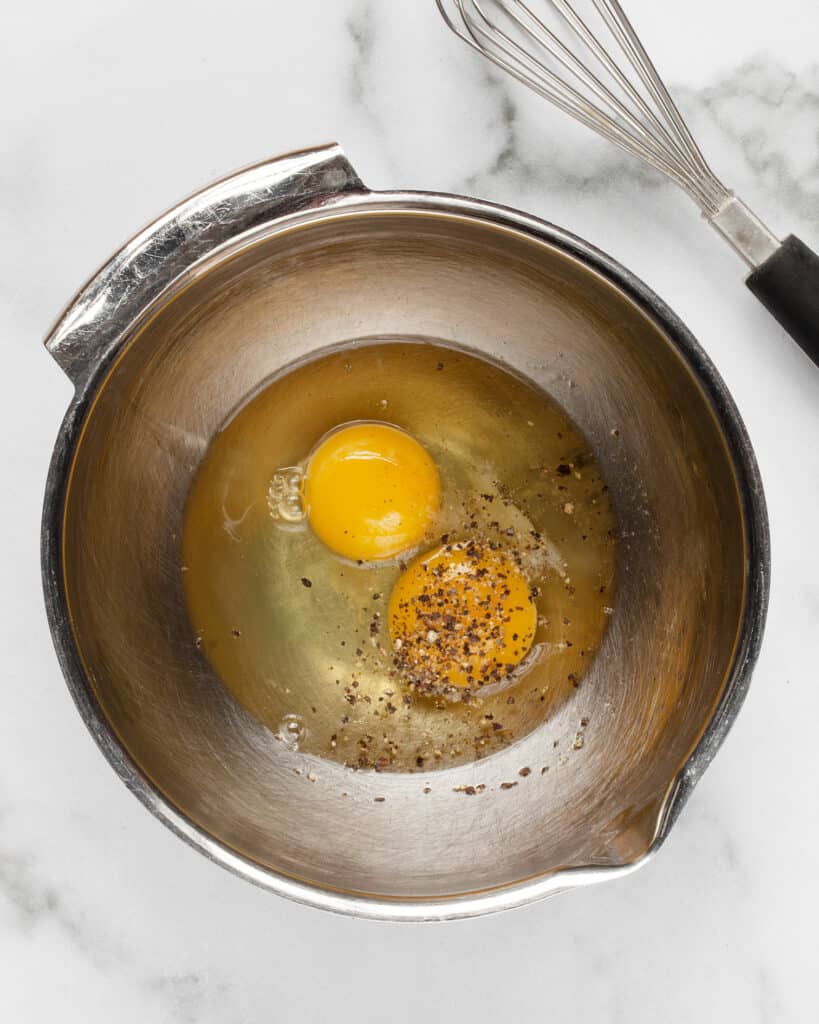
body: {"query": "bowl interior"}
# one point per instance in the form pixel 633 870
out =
pixel 377 270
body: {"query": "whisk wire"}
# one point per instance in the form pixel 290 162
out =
pixel 533 73
pixel 648 124
pixel 592 43
pixel 685 146
pixel 659 144
pixel 623 31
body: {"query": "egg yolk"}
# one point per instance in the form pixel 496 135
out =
pixel 461 616
pixel 371 491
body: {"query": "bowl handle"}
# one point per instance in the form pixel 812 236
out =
pixel 97 319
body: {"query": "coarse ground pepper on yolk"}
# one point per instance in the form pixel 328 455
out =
pixel 461 616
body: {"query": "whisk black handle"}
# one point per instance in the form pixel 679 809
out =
pixel 787 285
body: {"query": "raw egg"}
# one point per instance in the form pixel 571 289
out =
pixel 461 616
pixel 371 491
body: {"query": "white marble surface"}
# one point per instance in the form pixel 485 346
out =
pixel 112 110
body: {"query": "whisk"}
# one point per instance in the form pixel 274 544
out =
pixel 547 46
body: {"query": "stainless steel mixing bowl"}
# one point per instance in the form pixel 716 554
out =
pixel 282 260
